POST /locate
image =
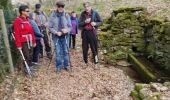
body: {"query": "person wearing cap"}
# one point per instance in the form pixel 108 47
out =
pixel 60 26
pixel 89 22
pixel 42 21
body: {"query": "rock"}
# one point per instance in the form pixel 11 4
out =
pixel 152 98
pixel 164 88
pixel 157 86
pixel 116 97
pixel 164 98
pixel 144 93
pixel 95 98
pixel 123 63
pixel 167 84
pixel 139 86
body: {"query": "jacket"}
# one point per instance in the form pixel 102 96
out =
pixel 94 18
pixel 76 24
pixel 23 32
pixel 37 33
pixel 54 21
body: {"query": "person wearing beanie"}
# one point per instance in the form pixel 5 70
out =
pixel 60 27
pixel 42 21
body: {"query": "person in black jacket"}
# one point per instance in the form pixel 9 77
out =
pixel 89 21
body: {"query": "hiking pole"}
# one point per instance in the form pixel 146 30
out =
pixel 49 38
pixel 26 64
pixel 52 56
pixel 68 53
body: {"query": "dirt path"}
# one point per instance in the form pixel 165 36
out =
pixel 108 83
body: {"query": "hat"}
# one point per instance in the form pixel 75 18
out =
pixel 60 3
pixel 37 6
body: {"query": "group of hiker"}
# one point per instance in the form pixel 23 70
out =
pixel 31 31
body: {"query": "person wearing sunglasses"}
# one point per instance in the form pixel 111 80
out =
pixel 24 35
pixel 60 27
pixel 89 22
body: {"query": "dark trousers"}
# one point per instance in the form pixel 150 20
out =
pixel 27 53
pixel 36 51
pixel 46 40
pixel 89 38
pixel 73 39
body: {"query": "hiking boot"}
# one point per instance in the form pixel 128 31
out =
pixel 49 55
pixel 41 56
pixel 58 71
pixel 68 69
pixel 96 67
pixel 36 64
pixel 85 65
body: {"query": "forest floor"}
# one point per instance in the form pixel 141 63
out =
pixel 108 83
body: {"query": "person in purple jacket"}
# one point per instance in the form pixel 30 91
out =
pixel 74 31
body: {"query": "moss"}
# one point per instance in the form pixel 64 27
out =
pixel 127 9
pixel 135 95
pixel 142 70
pixel 156 21
pixel 131 27
pixel 139 86
pixel 118 55
pixel 109 59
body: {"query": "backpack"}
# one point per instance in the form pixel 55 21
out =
pixel 93 15
pixel 11 30
pixel 42 12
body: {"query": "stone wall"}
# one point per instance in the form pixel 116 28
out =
pixel 129 30
pixel 152 91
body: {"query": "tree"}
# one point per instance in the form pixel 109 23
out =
pixel 5 4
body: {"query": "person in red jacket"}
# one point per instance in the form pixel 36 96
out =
pixel 24 35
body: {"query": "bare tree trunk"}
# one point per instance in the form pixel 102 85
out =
pixel 95 1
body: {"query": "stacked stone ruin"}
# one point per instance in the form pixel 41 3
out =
pixel 131 31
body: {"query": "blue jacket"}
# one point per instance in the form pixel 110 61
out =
pixel 37 33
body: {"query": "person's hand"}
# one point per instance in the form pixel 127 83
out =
pixel 93 24
pixel 34 45
pixel 88 20
pixel 19 48
pixel 42 35
pixel 64 31
pixel 59 33
pixel 46 24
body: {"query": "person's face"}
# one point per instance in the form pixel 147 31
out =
pixel 87 8
pixel 73 14
pixel 60 8
pixel 38 9
pixel 33 17
pixel 26 12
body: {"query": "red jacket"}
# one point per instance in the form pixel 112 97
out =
pixel 23 27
